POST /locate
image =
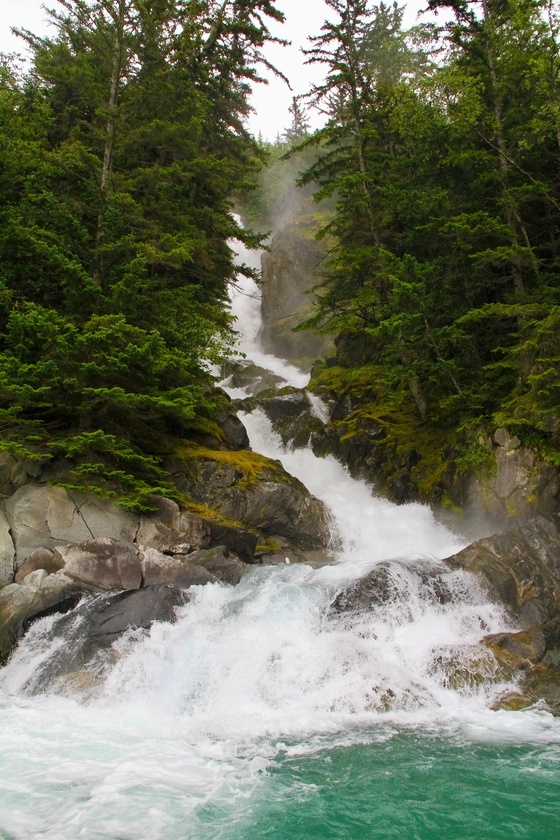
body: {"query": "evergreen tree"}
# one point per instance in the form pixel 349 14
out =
pixel 114 248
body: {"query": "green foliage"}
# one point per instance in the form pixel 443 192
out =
pixel 440 154
pixel 119 152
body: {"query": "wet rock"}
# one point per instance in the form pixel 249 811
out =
pixel 259 494
pixel 517 650
pixel 234 433
pixel 521 568
pixel 178 570
pixel 41 558
pixel 291 414
pixel 248 375
pixel 218 562
pixel 286 402
pixel 19 604
pixel 101 565
pixel 241 541
pixel 112 615
pixel 390 581
pixel 90 630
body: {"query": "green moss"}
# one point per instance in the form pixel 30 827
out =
pixel 362 382
pixel 250 466
pixel 270 546
pixel 209 513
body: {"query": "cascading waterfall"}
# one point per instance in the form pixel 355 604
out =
pixel 264 712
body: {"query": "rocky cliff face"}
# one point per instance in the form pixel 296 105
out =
pixel 290 269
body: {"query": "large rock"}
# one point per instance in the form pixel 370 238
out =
pixel 101 565
pixel 46 517
pixel 218 562
pixel 19 604
pixel 41 559
pixel 250 376
pixel 291 414
pixel 395 581
pixel 194 533
pixel 39 517
pixel 90 629
pixel 256 492
pixel 178 570
pixel 242 541
pixel 521 568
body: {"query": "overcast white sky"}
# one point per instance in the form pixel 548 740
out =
pixel 271 102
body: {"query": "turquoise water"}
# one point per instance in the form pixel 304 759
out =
pixel 412 787
pixel 389 781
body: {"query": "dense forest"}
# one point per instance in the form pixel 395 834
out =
pixel 120 146
pixel 437 182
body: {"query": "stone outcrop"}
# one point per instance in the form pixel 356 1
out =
pixel 58 547
pixel 387 582
pixel 242 373
pixel 291 413
pixel 521 568
pixel 46 517
pixel 91 629
pixel 21 603
pixel 517 487
pixel 258 492
pixel 290 269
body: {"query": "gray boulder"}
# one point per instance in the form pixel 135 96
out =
pixel 291 414
pixel 256 493
pixel 47 517
pixel 19 604
pixel 41 558
pixel 246 374
pixel 101 565
pixel 218 562
pixel 521 568
pixel 90 630
pixel 392 581
pixel 179 570
pixel 191 533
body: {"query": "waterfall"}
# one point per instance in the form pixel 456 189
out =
pixel 236 721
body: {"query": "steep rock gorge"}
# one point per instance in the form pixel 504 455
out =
pixel 289 270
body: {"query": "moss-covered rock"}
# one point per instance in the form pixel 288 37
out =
pixel 255 491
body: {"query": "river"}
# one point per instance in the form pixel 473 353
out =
pixel 263 714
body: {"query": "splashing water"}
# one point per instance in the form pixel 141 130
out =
pixel 267 711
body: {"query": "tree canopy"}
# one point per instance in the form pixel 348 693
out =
pixel 120 149
pixel 439 162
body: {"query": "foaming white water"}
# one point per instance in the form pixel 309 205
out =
pixel 370 528
pixel 246 308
